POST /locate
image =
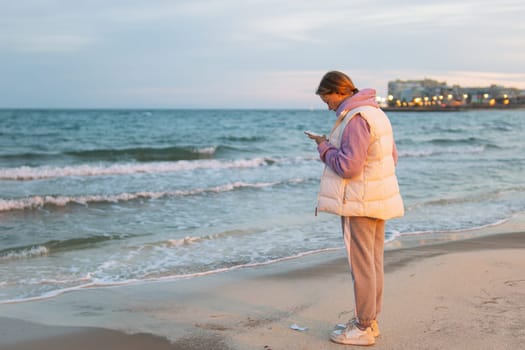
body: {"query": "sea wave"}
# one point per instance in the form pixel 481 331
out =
pixel 35 202
pixel 139 154
pixel 473 198
pixel 434 152
pixel 459 141
pixel 257 138
pixel 37 250
pixel 26 173
pixel 447 141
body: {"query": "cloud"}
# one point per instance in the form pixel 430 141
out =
pixel 257 53
pixel 443 13
pixel 294 26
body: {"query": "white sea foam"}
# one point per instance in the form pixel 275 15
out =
pixel 460 230
pixel 184 241
pixel 60 201
pixel 25 173
pixel 391 235
pixel 206 150
pixel 25 253
pixel 92 283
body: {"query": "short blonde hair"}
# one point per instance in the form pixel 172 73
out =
pixel 336 82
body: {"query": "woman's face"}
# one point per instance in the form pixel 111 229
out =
pixel 333 100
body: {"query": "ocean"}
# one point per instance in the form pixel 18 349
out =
pixel 109 197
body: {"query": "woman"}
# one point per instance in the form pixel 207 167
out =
pixel 360 185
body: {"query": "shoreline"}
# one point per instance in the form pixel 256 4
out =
pixel 411 240
pixel 252 307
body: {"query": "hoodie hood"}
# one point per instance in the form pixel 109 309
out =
pixel 365 97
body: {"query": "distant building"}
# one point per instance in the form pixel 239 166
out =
pixel 434 94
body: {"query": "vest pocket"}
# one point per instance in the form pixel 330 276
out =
pixel 331 194
pixel 354 191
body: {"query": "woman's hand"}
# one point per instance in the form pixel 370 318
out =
pixel 318 138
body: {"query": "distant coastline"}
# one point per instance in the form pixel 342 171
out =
pixel 430 95
pixel 449 108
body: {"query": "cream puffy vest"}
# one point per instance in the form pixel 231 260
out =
pixel 375 191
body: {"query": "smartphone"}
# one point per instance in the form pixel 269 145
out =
pixel 311 133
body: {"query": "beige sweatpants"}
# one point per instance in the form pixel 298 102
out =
pixel 364 240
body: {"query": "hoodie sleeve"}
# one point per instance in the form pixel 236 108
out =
pixel 349 160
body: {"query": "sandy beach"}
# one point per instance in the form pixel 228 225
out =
pixel 463 294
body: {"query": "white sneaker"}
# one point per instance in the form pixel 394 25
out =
pixel 352 335
pixel 374 325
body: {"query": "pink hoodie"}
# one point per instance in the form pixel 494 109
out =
pixel 349 160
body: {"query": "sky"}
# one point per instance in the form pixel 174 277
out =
pixel 246 53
